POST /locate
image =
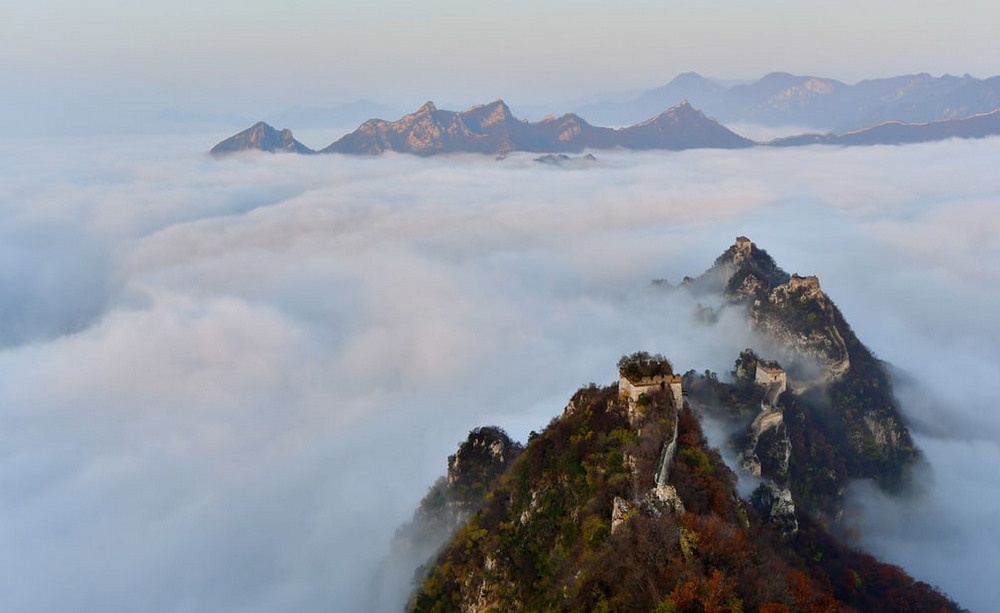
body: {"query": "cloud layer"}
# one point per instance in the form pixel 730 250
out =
pixel 223 384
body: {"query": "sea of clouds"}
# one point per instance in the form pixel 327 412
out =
pixel 225 383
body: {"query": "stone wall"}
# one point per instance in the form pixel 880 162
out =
pixel 648 385
pixel 768 376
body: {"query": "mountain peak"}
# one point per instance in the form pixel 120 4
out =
pixel 261 137
pixel 742 250
pixel 801 327
pixel 621 504
pixel 428 107
pixel 743 271
pixel 653 506
pixel 688 78
pixel 489 114
pixel 502 106
pixel 499 102
pixel 781 76
pixel 682 112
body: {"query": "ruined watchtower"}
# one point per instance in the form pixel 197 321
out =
pixel 642 373
pixel 771 375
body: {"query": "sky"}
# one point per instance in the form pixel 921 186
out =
pixel 110 65
pixel 225 383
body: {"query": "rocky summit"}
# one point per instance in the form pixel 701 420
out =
pixel 837 418
pixel 620 504
pixel 261 137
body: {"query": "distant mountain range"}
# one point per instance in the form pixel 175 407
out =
pixel 906 109
pixel 781 99
pixel 898 133
pixel 493 129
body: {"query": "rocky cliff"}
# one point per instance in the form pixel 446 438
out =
pixel 473 471
pixel 621 505
pixel 840 421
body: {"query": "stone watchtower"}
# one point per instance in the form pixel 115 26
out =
pixel 771 375
pixel 641 373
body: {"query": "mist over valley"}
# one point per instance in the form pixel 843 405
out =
pixel 226 382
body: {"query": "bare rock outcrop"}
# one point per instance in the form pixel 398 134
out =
pixel 261 137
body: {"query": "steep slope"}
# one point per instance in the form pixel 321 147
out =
pixel 261 137
pixel 620 505
pixel 581 522
pixel 843 416
pixel 472 472
pixel 680 127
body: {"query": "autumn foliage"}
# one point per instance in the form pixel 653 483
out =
pixel 543 539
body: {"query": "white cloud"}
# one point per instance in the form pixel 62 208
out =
pixel 225 383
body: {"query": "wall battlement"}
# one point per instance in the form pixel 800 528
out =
pixel 631 390
pixel 770 375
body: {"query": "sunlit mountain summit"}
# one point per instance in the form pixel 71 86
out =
pixel 261 137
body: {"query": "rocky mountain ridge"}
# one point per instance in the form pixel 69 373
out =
pixel 782 99
pixel 839 409
pixel 579 521
pixel 898 132
pixel 620 504
pixel 492 129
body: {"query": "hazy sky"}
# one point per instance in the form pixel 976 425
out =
pixel 113 62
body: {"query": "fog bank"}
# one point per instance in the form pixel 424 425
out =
pixel 224 383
